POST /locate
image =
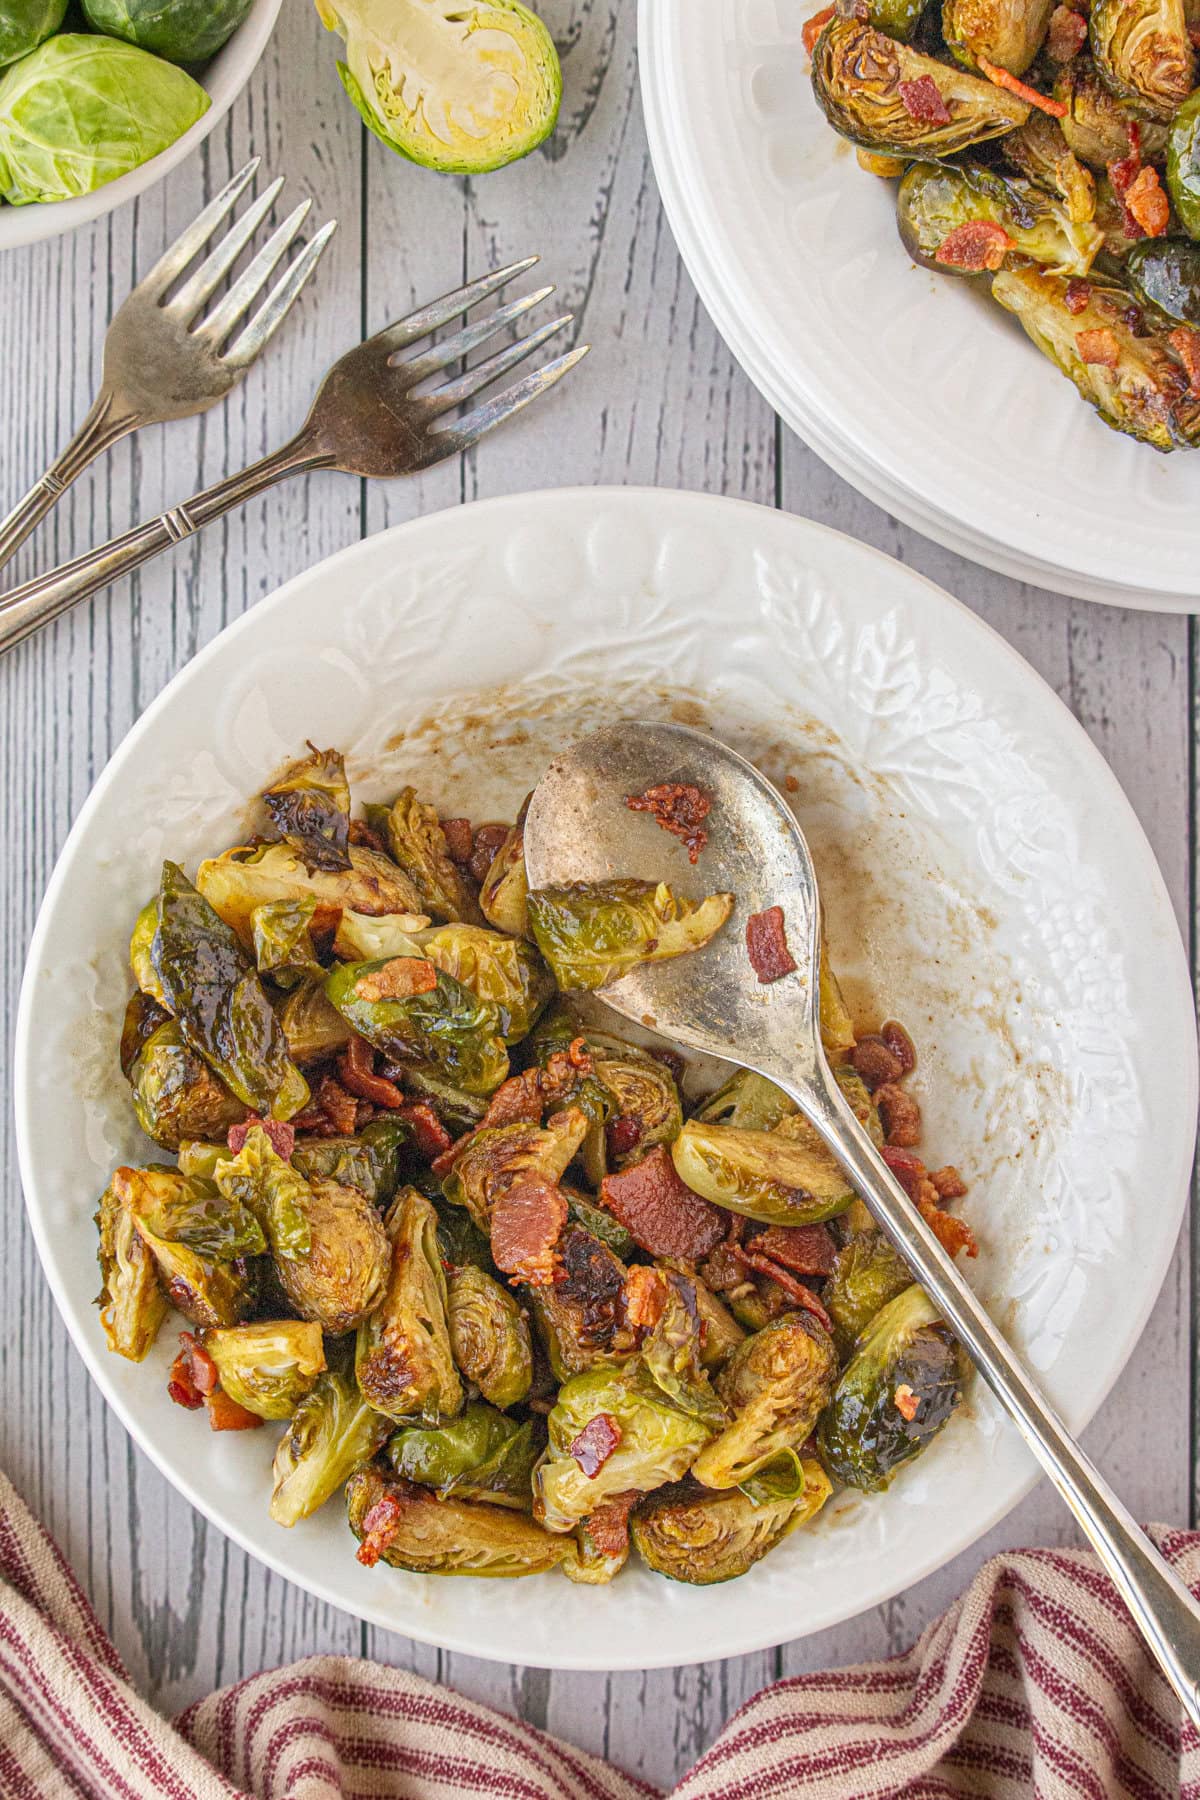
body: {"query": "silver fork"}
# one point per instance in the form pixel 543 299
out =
pixel 368 419
pixel 166 358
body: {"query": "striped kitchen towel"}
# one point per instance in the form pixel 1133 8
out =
pixel 1034 1684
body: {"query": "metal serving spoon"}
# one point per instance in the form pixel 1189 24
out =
pixel 579 829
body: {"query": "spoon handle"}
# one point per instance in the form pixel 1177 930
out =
pixel 1162 1607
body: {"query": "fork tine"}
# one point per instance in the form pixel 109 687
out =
pixel 253 340
pixel 234 305
pixel 449 440
pixel 189 243
pixel 212 271
pixel 483 374
pixel 418 368
pixel 440 312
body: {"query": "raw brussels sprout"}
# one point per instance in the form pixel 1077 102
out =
pixel 594 932
pixel 489 1336
pixel 749 1101
pixel 1165 273
pixel 1146 395
pixel 79 111
pixel 655 1443
pixel 175 1093
pixel 24 24
pixel 761 1174
pixel 446 1025
pixel 429 1535
pixel 505 971
pixel 701 1536
pixel 1039 151
pixel 369 1162
pixel 267 1368
pixel 857 74
pixel 505 890
pixel 132 1305
pixel 867 1273
pixel 933 201
pixel 495 1158
pixel 311 1023
pixel 454 87
pixel 234 884
pixel 775 1384
pixel 642 1092
pixel 183 31
pixel 206 1290
pixel 418 843
pixel 582 1318
pixel 283 946
pixel 898 1390
pixel 1008 33
pixel 1142 52
pixel 214 991
pixel 481 1455
pixel 310 804
pixel 141 945
pixel 402 1359
pixel 1183 165
pixel 672 1354
pixel 333 1432
pixel 1097 123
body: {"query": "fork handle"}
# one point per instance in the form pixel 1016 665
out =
pixel 104 426
pixel 27 608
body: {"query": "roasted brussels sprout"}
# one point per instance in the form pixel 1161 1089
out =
pixel 25 24
pixel 311 1023
pixel 418 843
pixel 143 1016
pixel 182 31
pixel 1136 383
pixel 141 945
pixel 746 1100
pixel 896 1393
pixel 672 1352
pixel 645 1100
pixel 268 1368
pixel 761 1174
pixel 188 1208
pixel 310 808
pixel 480 1455
pixel 235 883
pixel 1183 165
pixel 410 1010
pixel 175 1093
pixel 593 933
pixel 258 1180
pixel 460 1241
pixel 837 1027
pixel 1097 123
pixel 775 1385
pixel 489 1336
pixel 369 1162
pixel 505 971
pixel 283 946
pixel 698 1535
pixel 132 1304
pixel 897 18
pixel 496 1158
pixel 934 202
pixel 205 1289
pixel 721 1334
pixel 597 1220
pixel 458 1111
pixel 333 1432
pixel 361 938
pixel 1165 273
pixel 867 1273
pixel 638 1440
pixel 429 1534
pixel 505 890
pixel 1006 33
pixel 582 1318
pixel 1039 151
pixel 1142 52
pixel 403 1360
pixel 859 77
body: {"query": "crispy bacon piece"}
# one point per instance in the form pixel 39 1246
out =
pixel 874 1062
pixel 282 1136
pixel 905 1399
pixel 380 1527
pixel 429 1134
pixel 1146 202
pixel 1185 341
pixel 1067 34
pixel 1098 345
pixel 356 1072
pixel 596 1443
pixel 951 1232
pixel 766 938
pixel 815 26
pixel 900 1044
pixel 360 833
pixel 527 1222
pixel 1002 78
pixel 1077 295
pixel 901 1115
pixel 1193 32
pixel 805 1249
pixel 488 839
pixel 907 1168
pixel 398 979
pixel 660 1212
pixel 1124 172
pixel 795 1290
pixel 680 809
pixel 621 1135
pixel 193 1375
pixel 460 840
pixel 645 1296
pixel 608 1526
pixel 922 99
pixel 979 244
pixel 225 1414
pixel 338 1106
pixel 948 1183
pixel 524 1098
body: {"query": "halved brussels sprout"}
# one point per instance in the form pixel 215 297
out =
pixel 1097 123
pixel 1183 165
pixel 175 1093
pixel 446 1024
pixel 597 1219
pixel 654 1443
pixel 837 1027
pixel 182 31
pixel 269 1367
pixel 1141 388
pixel 310 808
pixel 369 1162
pixel 333 1432
pixel 505 890
pixel 403 1360
pixel 601 1544
pixel 898 18
pixel 896 1393
pixel 311 1023
pixel 748 1101
pixel 205 1289
pixel 258 1180
pixel 932 202
pixel 672 1353
pixel 860 78
pixel 496 1158
pixel 24 24
pixel 460 1240
pixel 1039 151
pixel 428 1535
pixel 775 1384
pixel 1143 53
pixel 1008 33
pixel 132 1304
pixel 143 1016
pixel 462 88
pixel 593 933
pixel 458 1111
pixel 505 971
pixel 188 1208
pixel 761 1174
pixel 283 946
pixel 361 938
pixel 489 1336
pixel 141 944
pixel 213 989
pixel 582 1318
pixel 867 1273
pixel 1165 273
pixel 418 843
pixel 645 1099
pixel 698 1535
pixel 480 1455
pixel 235 883
pixel 720 1334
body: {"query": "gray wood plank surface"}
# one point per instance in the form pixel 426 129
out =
pixel 660 401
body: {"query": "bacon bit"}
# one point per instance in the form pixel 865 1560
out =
pixel 661 1213
pixel 360 833
pixel 621 1135
pixel 952 1233
pixel 1124 173
pixel 908 1169
pixel 1098 346
pixel 948 1183
pixel 900 1045
pixel 795 1290
pixel 596 1443
pixel 460 840
pixel 766 943
pixel 1077 295
pixel 1067 34
pixel 608 1525
pixel 815 26
pixel 977 245
pixel 225 1414
pixel 680 809
pixel 488 839
pixel 193 1375
pixel 429 1134
pixel 1185 341
pixel 1002 78
pixel 901 1115
pixel 922 100
pixel 906 1400
pixel 1148 204
pixel 645 1296
pixel 522 1099
pixel 282 1136
pixel 527 1222
pixel 806 1249
pixel 1193 32
pixel 875 1062
pixel 380 1528
pixel 356 1071
pixel 398 979
pixel 338 1107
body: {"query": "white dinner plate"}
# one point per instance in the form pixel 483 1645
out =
pixel 984 878
pixel 795 252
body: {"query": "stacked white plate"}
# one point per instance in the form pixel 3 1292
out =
pixel 915 387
